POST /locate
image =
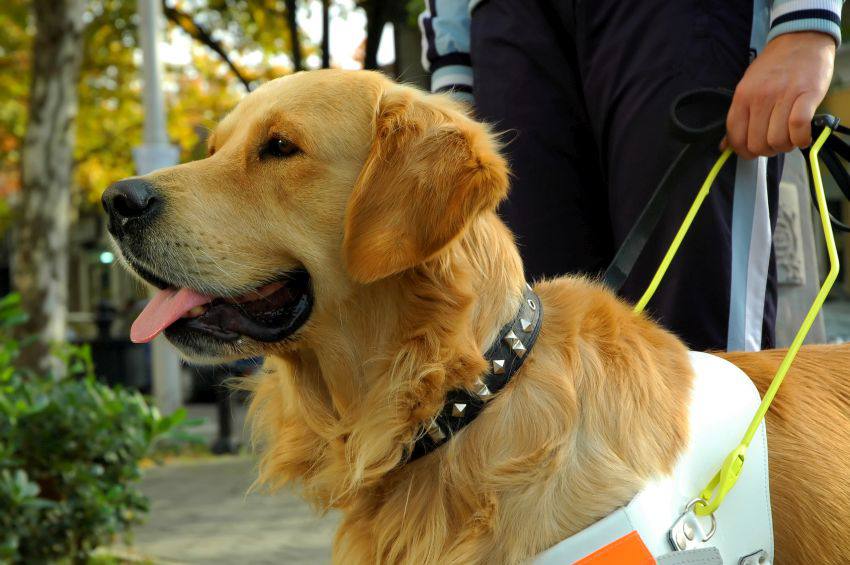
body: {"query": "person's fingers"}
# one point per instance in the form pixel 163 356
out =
pixel 724 143
pixel 778 131
pixel 800 118
pixel 760 112
pixel 736 125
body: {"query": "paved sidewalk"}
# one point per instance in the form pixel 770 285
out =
pixel 201 514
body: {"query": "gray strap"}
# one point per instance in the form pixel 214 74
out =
pixel 703 556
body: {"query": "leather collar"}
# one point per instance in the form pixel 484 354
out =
pixel 504 358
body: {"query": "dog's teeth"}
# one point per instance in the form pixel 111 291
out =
pixel 196 311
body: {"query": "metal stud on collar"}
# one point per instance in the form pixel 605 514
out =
pixel 482 390
pixel 505 357
pixel 458 409
pixel 515 343
pixel 511 339
pixel 435 432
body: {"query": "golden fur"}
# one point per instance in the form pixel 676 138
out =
pixel 391 208
pixel 808 428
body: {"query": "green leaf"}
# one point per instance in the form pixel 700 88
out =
pixel 69 457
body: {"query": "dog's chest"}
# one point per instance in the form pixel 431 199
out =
pixel 722 405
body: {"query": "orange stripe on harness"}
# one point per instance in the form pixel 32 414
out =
pixel 628 550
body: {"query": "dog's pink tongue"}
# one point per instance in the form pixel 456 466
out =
pixel 163 310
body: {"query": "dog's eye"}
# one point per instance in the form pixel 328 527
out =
pixel 279 147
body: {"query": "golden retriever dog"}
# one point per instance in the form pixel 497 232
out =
pixel 344 227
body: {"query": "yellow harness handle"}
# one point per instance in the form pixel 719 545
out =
pixel 723 481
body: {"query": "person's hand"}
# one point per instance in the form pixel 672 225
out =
pixel 776 100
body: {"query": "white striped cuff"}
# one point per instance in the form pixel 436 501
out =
pixel 787 16
pixel 452 77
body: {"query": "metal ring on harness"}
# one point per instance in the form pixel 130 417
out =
pixel 683 533
pixel 690 508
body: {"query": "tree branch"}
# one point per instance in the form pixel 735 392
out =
pixel 199 33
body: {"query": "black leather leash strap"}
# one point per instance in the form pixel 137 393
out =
pixel 698 118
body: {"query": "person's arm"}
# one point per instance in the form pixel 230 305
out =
pixel 445 46
pixel 777 98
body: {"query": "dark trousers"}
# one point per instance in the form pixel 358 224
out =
pixel 581 91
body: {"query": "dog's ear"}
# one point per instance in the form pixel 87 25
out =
pixel 430 171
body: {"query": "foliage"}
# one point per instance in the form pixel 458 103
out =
pixel 15 39
pixel 69 454
pixel 199 86
pixel 255 29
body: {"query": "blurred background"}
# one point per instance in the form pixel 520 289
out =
pixel 92 91
pixel 113 452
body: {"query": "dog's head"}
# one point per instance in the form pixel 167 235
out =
pixel 316 185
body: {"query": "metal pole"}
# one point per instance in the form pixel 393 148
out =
pixel 155 153
pixel 224 443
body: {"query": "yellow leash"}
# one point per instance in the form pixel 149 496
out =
pixel 680 235
pixel 713 494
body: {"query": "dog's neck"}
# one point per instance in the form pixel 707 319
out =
pixel 342 414
pixel 472 290
pixel 384 367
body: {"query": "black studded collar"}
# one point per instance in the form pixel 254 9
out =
pixel 504 358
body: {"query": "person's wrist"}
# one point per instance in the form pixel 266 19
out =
pixel 814 49
pixel 775 100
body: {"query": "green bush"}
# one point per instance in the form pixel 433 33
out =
pixel 69 454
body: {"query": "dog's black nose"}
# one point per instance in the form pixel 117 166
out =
pixel 130 202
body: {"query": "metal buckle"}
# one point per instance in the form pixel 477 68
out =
pixel 687 531
pixel 760 557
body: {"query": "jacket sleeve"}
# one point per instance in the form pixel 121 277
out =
pixel 445 46
pixel 787 16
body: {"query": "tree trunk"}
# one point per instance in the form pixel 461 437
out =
pixel 40 264
pixel 326 34
pixel 376 18
pixel 292 22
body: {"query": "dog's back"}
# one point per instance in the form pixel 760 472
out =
pixel 808 427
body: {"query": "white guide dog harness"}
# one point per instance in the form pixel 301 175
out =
pixel 657 519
